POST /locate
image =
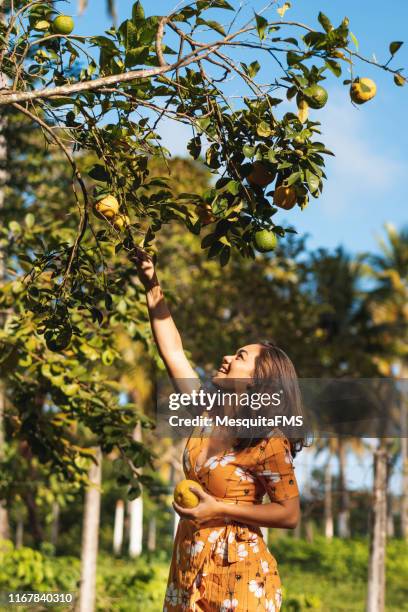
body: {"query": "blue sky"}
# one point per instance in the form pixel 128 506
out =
pixel 366 179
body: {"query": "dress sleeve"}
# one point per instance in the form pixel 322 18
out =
pixel 275 470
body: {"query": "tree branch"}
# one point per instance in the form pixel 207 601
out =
pixel 82 211
pixel 159 39
pixel 66 90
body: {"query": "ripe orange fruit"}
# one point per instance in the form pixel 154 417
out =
pixel 183 496
pixel 265 240
pixel 107 207
pixel 63 24
pixel 285 197
pixel 362 90
pixel 260 175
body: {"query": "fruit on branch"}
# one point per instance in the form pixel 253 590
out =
pixel 183 496
pixel 260 175
pixel 285 197
pixel 265 240
pixel 205 214
pixel 107 207
pixel 63 24
pixel 315 95
pixel 120 222
pixel 362 90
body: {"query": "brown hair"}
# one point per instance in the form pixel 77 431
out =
pixel 274 368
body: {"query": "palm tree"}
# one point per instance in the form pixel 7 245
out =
pixel 346 343
pixel 390 310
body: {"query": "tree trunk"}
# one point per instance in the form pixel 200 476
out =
pixel 151 535
pixel 4 521
pixel 404 461
pixel 20 533
pixel 328 500
pixel 297 532
pixel 90 534
pixel 376 569
pixel 309 531
pixel 118 527
pixel 343 519
pixel 135 509
pixel 55 523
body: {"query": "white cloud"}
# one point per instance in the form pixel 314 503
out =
pixel 361 170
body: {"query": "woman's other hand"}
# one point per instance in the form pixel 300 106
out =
pixel 207 509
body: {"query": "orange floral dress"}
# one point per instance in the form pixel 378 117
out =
pixel 227 567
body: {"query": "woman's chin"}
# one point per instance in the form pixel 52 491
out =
pixel 222 381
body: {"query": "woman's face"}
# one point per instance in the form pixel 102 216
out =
pixel 238 366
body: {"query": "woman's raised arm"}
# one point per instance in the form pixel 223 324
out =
pixel 165 332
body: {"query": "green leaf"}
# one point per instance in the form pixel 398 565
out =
pixel 293 58
pixel 225 255
pixel 214 25
pixel 261 25
pixel 136 56
pixel 354 39
pixel 14 227
pixel 399 80
pixel 253 69
pixel 263 130
pixel 208 240
pixel 394 46
pixel 221 4
pixel 137 12
pixel 313 181
pixel 325 22
pixel 334 67
pixel 233 187
pixel 99 173
pixel 248 151
pixel 293 178
pixel 194 147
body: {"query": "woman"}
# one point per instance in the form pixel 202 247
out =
pixel 220 561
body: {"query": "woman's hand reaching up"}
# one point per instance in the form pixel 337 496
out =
pixel 144 267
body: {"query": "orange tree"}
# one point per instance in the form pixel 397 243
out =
pixel 99 100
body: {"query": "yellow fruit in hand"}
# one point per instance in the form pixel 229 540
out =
pixel 362 90
pixel 120 222
pixel 183 496
pixel 63 24
pixel 107 208
pixel 285 197
pixel 260 175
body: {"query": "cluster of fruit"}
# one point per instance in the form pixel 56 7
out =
pixel 107 208
pixel 315 96
pixel 62 24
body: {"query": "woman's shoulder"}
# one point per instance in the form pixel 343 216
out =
pixel 273 443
